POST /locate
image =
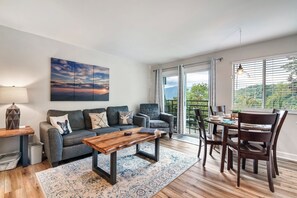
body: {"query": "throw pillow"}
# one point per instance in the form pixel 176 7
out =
pixel 98 120
pixel 126 117
pixel 62 124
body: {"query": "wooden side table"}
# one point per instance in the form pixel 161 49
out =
pixel 23 133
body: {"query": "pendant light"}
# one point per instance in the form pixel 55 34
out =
pixel 239 70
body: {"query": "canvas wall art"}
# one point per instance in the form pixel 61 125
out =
pixel 72 81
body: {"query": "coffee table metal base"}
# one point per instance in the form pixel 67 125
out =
pixel 111 177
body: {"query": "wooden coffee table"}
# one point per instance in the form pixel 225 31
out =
pixel 112 142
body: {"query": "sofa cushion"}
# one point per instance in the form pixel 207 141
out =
pixel 99 120
pixel 125 117
pixel 61 123
pixel 76 137
pixel 125 126
pixel 159 124
pixel 86 112
pixel 113 114
pixel 76 118
pixel 105 130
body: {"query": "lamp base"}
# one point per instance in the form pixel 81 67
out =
pixel 12 117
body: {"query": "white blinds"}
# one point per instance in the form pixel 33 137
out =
pixel 266 84
pixel 248 86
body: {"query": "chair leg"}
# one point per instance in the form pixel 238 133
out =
pixel 269 175
pixel 238 171
pixel 272 167
pixel 210 150
pixel 230 159
pixel 243 163
pixel 205 153
pixel 255 166
pixel 275 162
pixel 199 149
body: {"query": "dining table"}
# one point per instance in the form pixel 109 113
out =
pixel 228 124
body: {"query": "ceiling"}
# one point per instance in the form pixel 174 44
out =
pixel 153 31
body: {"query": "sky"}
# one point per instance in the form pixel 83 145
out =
pixel 191 79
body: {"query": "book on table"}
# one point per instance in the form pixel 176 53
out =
pixel 148 130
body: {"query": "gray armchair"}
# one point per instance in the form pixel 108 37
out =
pixel 155 118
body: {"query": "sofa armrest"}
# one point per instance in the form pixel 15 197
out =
pixel 139 121
pixel 167 118
pixel 147 119
pixel 53 142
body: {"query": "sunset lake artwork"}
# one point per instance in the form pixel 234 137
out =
pixel 72 81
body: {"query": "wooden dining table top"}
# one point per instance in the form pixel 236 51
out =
pixel 233 124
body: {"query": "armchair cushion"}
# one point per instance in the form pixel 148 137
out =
pixel 76 137
pixel 166 117
pixel 159 124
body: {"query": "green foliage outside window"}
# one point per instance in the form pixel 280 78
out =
pixel 280 95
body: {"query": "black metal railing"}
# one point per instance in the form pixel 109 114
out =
pixel 191 124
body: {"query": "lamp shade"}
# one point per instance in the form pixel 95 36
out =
pixel 13 95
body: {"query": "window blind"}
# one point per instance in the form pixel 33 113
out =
pixel 266 84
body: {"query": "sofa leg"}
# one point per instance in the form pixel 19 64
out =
pixel 55 164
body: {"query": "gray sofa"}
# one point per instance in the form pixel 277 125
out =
pixel 58 147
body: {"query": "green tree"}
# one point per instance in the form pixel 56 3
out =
pixel 198 92
pixel 292 68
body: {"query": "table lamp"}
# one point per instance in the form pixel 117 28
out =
pixel 13 95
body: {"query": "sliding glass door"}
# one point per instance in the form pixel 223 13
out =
pixel 197 96
pixel 197 80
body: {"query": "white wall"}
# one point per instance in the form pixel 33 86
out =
pixel 25 62
pixel 286 146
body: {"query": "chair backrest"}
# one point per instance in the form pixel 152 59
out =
pixel 150 109
pixel 217 110
pixel 250 125
pixel 281 119
pixel 200 122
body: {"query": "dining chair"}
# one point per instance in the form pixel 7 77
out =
pixel 282 117
pixel 220 110
pixel 250 141
pixel 213 139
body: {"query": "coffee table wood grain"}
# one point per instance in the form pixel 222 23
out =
pixel 112 142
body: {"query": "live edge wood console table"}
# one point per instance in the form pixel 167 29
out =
pixel 23 133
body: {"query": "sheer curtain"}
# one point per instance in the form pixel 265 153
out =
pixel 212 84
pixel 181 100
pixel 159 89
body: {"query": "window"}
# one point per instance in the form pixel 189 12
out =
pixel 266 84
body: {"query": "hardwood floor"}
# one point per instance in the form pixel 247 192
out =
pixel 195 182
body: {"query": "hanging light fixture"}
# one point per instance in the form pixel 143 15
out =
pixel 239 70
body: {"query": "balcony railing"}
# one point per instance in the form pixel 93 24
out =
pixel 191 124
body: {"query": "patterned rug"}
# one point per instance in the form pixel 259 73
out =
pixel 136 176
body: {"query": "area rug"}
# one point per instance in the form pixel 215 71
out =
pixel 136 176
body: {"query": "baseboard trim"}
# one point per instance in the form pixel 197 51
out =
pixel 287 156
